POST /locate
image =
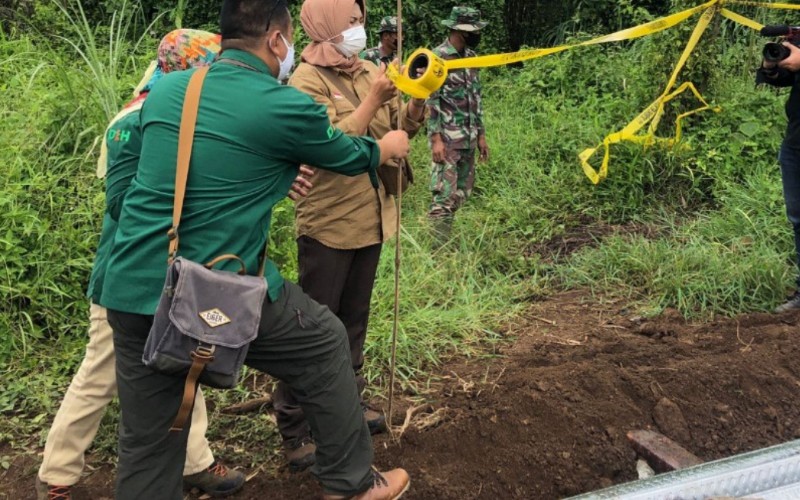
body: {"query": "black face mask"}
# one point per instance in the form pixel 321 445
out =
pixel 472 39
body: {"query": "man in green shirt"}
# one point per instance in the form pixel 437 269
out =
pixel 251 136
pixel 94 385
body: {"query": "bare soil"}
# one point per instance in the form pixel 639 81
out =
pixel 547 418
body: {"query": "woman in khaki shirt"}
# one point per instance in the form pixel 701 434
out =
pixel 343 221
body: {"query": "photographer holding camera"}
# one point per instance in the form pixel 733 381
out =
pixel 781 68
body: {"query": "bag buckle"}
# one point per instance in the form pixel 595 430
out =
pixel 172 235
pixel 204 352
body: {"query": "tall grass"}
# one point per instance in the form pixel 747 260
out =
pixel 107 54
pixel 57 95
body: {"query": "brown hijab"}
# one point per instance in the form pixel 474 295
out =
pixel 323 21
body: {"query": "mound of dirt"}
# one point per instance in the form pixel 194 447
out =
pixel 548 418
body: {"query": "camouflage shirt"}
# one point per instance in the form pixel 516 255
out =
pixel 374 55
pixel 456 111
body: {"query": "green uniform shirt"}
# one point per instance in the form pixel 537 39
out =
pixel 456 109
pixel 374 55
pixel 124 143
pixel 251 135
pixel 101 259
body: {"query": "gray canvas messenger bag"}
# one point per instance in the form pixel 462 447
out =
pixel 206 318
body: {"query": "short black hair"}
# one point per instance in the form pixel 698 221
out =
pixel 249 19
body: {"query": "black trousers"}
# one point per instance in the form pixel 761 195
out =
pixel 299 342
pixel 342 280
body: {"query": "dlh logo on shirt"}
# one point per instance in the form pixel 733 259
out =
pixel 214 318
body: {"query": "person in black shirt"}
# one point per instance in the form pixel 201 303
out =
pixel 786 73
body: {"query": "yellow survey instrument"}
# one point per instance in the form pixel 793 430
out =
pixel 433 71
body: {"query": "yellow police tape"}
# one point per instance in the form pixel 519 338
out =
pixel 434 76
pixel 653 113
pixel 434 73
pixel 781 6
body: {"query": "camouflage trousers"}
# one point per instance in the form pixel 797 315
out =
pixel 452 182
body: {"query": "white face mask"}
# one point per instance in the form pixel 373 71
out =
pixel 287 63
pixel 355 40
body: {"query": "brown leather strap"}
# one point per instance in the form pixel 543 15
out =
pixel 227 256
pixel 200 358
pixel 262 260
pixel 185 139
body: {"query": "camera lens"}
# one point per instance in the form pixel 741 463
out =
pixel 775 52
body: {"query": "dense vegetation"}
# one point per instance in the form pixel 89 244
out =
pixel 702 225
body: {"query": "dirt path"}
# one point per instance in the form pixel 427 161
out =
pixel 548 418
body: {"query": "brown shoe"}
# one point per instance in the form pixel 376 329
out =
pixel 46 491
pixel 300 453
pixel 386 486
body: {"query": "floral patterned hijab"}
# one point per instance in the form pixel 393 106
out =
pixel 179 50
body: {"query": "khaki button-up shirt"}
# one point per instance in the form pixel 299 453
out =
pixel 347 212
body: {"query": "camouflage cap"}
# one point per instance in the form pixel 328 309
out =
pixel 465 19
pixel 388 23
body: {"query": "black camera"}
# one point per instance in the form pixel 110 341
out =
pixel 775 51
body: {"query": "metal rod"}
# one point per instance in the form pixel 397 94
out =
pixel 399 204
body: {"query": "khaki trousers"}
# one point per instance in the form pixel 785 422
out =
pixel 83 407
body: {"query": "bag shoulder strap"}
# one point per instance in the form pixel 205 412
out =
pixel 191 103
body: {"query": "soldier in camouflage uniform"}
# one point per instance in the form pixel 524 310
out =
pixel 455 127
pixel 386 51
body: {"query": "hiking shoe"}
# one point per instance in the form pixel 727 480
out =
pixel 46 491
pixel 386 486
pixel 376 421
pixel 792 304
pixel 216 481
pixel 300 453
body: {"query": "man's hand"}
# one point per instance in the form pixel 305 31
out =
pixel 301 184
pixel 483 148
pixel 394 145
pixel 437 148
pixel 792 63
